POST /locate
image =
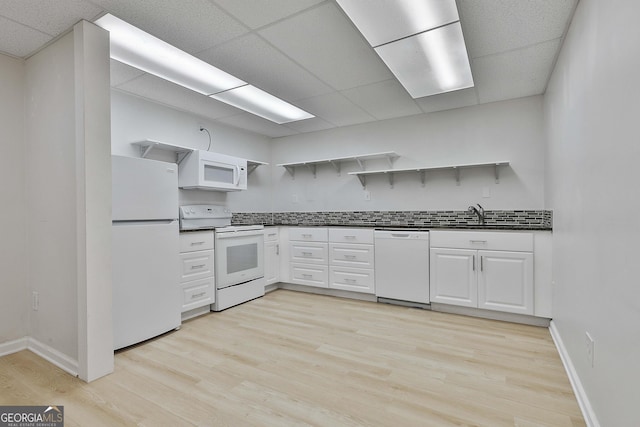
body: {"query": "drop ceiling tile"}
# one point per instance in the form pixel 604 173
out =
pixel 257 13
pixel 122 73
pixel 449 100
pixel 492 26
pixel 19 40
pixel 167 93
pixel 255 61
pixel 310 125
pixel 258 125
pixel 192 26
pixel 514 74
pixel 326 43
pixel 50 17
pixel 335 109
pixel 384 100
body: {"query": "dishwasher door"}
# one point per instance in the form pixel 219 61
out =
pixel 402 265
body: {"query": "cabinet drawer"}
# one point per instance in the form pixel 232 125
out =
pixel 359 256
pixel 197 293
pixel 308 234
pixel 483 240
pixel 196 265
pixel 196 241
pixel 310 275
pixel 271 234
pixel 352 279
pixel 309 253
pixel 351 235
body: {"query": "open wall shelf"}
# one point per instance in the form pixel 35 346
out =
pixel 336 162
pixel 422 171
pixel 148 145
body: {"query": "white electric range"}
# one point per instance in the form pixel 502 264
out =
pixel 238 254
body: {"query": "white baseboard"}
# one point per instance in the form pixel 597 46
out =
pixel 583 401
pixel 49 354
pixel 14 346
pixel 52 355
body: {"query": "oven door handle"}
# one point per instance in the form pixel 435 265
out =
pixel 232 234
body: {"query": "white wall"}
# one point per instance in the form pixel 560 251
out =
pixel 510 130
pixel 135 119
pixel 51 190
pixel 591 116
pixel 68 183
pixel 13 292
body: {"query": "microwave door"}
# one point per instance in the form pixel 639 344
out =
pixel 217 173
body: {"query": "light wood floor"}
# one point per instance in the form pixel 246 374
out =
pixel 292 359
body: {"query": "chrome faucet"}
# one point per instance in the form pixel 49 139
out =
pixel 478 211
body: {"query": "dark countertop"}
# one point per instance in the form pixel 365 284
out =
pixel 497 227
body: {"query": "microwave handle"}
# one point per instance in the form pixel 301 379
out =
pixel 237 180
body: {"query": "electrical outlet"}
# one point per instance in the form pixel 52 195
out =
pixel 35 301
pixel 486 192
pixel 367 195
pixel 294 198
pixel 590 348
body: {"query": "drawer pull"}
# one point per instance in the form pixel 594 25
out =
pixel 196 267
pixel 271 234
pixel 350 237
pixel 307 276
pixel 198 295
pixel 197 243
pixel 351 280
pixel 350 256
pixel 307 236
pixel 306 254
pixel 479 242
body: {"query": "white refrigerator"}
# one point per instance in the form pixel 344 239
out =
pixel 145 258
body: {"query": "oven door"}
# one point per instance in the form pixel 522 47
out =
pixel 239 257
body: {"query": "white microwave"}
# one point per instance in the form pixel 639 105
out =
pixel 205 170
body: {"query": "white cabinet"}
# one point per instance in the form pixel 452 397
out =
pixel 488 270
pixel 271 255
pixel 351 260
pixel 308 256
pixel 196 270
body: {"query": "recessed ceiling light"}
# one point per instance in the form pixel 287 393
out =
pixel 134 47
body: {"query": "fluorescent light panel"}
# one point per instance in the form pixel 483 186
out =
pixel 141 50
pixel 263 104
pixel 421 42
pixel 383 21
pixel 430 63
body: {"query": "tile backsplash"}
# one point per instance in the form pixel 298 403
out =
pixel 516 219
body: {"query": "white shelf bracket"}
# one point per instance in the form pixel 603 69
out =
pixel 291 170
pixel 391 158
pixel 251 168
pixel 146 151
pixel 363 180
pixel 312 168
pixel 496 173
pixel 336 166
pixel 422 177
pixel 457 175
pixel 390 174
pixel 360 163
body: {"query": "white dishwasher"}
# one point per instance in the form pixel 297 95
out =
pixel 402 265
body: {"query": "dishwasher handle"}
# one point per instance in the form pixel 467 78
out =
pixel 402 235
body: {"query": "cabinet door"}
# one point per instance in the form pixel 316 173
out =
pixel 453 277
pixel 271 262
pixel 505 281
